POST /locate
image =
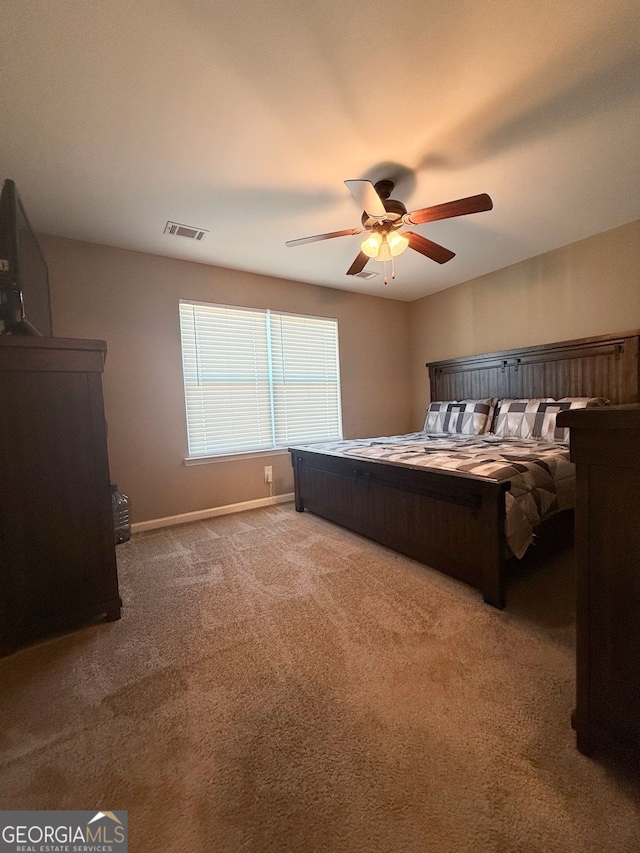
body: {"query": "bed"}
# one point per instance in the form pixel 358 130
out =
pixel 454 520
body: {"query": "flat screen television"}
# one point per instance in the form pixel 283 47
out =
pixel 25 308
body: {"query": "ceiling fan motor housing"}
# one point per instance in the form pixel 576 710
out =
pixel 384 188
pixel 395 210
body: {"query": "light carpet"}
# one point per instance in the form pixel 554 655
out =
pixel 279 684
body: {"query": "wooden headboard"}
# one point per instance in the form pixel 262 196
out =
pixel 603 366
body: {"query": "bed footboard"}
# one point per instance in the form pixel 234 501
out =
pixel 452 521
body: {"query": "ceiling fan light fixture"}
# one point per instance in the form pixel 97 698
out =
pixel 384 252
pixel 397 243
pixel 371 246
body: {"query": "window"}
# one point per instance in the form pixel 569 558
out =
pixel 257 380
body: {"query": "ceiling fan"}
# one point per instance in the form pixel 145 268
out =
pixel 383 217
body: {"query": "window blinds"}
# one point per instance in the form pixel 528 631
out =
pixel 258 380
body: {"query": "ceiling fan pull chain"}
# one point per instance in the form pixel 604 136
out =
pixel 385 273
pixel 393 268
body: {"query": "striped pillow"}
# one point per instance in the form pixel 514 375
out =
pixel 536 418
pixel 465 417
pixel 516 418
pixel 550 432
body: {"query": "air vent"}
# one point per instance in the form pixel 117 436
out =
pixel 365 274
pixel 189 231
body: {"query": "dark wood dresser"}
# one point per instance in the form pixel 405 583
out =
pixel 57 548
pixel 605 445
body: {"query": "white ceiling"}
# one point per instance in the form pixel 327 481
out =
pixel 246 118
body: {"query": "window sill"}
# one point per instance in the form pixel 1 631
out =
pixel 234 457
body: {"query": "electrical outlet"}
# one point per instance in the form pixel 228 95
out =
pixel 268 474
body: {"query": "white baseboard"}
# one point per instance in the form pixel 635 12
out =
pixel 185 517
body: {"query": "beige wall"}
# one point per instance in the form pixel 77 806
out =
pixel 588 288
pixel 130 299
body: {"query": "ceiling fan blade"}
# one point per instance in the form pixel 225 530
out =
pixel 328 236
pixel 429 248
pixel 359 264
pixel 460 207
pixel 365 194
